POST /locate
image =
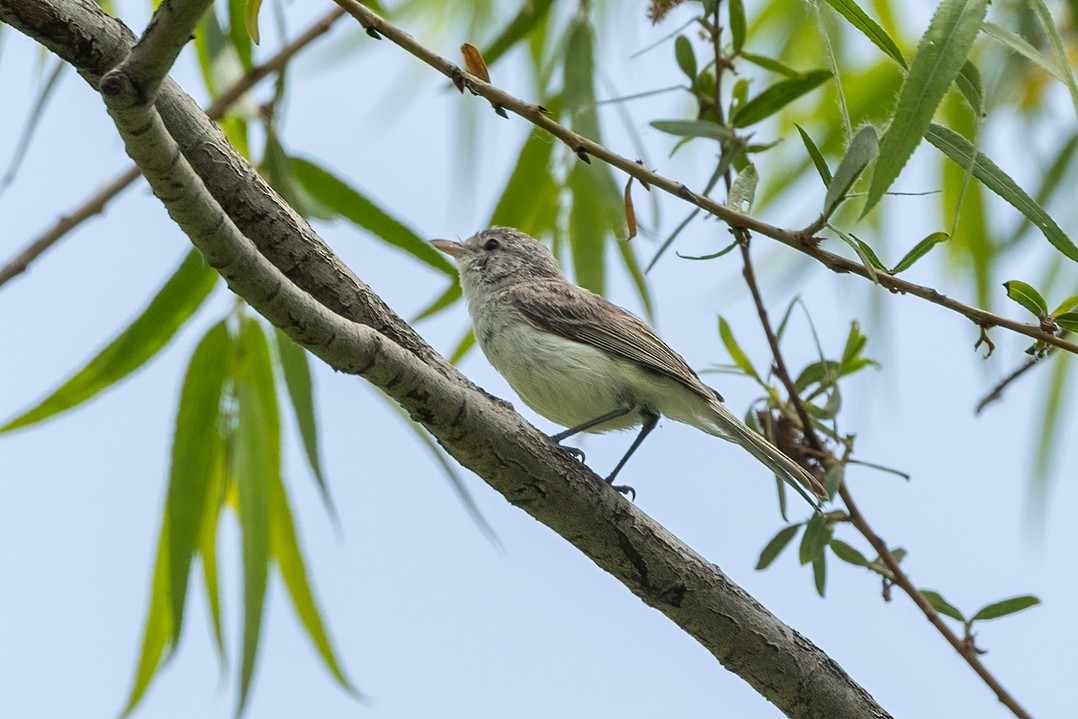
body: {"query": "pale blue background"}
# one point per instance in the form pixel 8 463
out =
pixel 431 619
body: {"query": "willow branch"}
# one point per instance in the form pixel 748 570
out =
pixel 582 146
pixel 215 111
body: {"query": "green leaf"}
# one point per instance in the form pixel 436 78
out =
pixel 919 250
pixel 462 347
pixel 253 7
pixel 778 96
pixel 773 548
pixel 686 58
pixel 519 28
pixel 174 303
pixel 819 573
pixel 1026 296
pixel 770 64
pixel 1068 321
pixel 693 128
pixel 868 253
pixel 941 605
pixel 817 158
pixel 256 466
pixel 1058 49
pixel 864 147
pixel 1066 306
pixel 33 119
pixel 441 302
pixel 737 24
pixel 587 229
pixel 355 207
pixel 197 451
pixel 285 549
pixel 817 536
pixel 869 28
pixel 971 86
pixel 297 377
pixel 1005 607
pixel 207 550
pixel 238 31
pixel 529 201
pixel 868 259
pixel 848 554
pixel 1021 46
pixel 940 55
pixel 736 353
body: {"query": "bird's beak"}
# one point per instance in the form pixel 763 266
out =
pixel 451 248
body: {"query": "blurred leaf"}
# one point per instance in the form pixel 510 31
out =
pixel 207 550
pixel 587 229
pixel 632 266
pixel 158 630
pixel 940 55
pixel 962 152
pixel 848 554
pixel 1050 183
pixel 737 24
pixel 253 8
pixel 817 158
pixel 941 605
pixel 770 64
pixel 1026 296
pixel 519 28
pixel 693 128
pixel 297 377
pixel 1058 49
pixel 864 147
pixel 869 28
pixel 465 344
pixel 686 58
pixel 197 450
pixel 239 30
pixel 832 481
pixel 630 211
pixel 773 548
pixel 1047 434
pixel 279 169
pixel 734 349
pixel 529 201
pixel 819 573
pixel 1020 45
pixel 285 549
pixel 1068 321
pixel 444 300
pixel 174 303
pixel 22 145
pixel 1005 607
pixel 777 96
pixel 817 536
pixel 256 466
pixel 350 204
pixel 919 250
pixel 971 86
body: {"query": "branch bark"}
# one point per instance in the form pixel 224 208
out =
pixel 286 273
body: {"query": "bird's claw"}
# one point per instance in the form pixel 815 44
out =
pixel 578 454
pixel 624 489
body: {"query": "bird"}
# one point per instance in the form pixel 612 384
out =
pixel 585 363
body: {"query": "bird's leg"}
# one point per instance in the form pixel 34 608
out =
pixel 565 434
pixel 650 420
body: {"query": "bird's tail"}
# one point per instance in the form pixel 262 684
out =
pixel 721 422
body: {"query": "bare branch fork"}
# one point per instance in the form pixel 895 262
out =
pixel 286 273
pixel 800 240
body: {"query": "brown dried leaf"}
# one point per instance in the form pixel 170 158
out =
pixel 630 213
pixel 474 62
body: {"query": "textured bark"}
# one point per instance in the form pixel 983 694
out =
pixel 290 276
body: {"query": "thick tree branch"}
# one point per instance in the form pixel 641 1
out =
pixel 796 239
pixel 482 433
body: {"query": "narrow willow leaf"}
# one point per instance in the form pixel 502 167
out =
pixel 971 86
pixel 819 573
pixel 1049 442
pixel 1021 46
pixel 297 377
pixel 770 64
pixel 207 551
pixel 197 450
pixel 253 8
pixel 869 28
pixel 864 147
pixel 778 96
pixel 157 633
pixel 962 152
pixel 238 32
pixel 686 58
pixel 941 605
pixel 693 128
pixel 868 253
pixel 1005 607
pixel 632 266
pixel 737 24
pixel 736 353
pixel 848 554
pixel 587 230
pixel 173 305
pixel 773 548
pixel 531 16
pixel 441 302
pixel 1058 49
pixel 463 346
pixel 529 201
pixel 714 255
pixel 355 207
pixel 284 546
pixel 919 250
pixel 940 55
pixel 817 536
pixel 33 118
pixel 863 254
pixel 1026 296
pixel 256 465
pixel 817 158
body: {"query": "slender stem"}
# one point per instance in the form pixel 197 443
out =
pixel 997 391
pixel 96 204
pixel 798 240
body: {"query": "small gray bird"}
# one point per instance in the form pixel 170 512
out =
pixel 585 363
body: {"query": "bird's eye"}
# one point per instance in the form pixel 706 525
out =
pixel 491 245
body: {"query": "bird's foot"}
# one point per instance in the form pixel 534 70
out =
pixel 623 489
pixel 578 454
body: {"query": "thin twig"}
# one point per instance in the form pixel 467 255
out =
pixel 997 391
pixel 216 110
pixel 798 240
pixel 172 26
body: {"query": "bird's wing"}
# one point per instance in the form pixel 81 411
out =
pixel 579 315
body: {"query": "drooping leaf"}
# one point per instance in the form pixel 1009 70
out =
pixel 693 128
pixel 520 27
pixel 848 554
pixel 1018 44
pixel 817 536
pixel 441 302
pixel 919 250
pixel 941 605
pixel 736 8
pixel 1026 296
pixel 774 547
pixel 22 145
pixel 355 207
pixel 940 55
pixel 817 158
pixel 239 32
pixel 173 305
pixel 736 353
pixel 686 58
pixel 819 573
pixel 864 147
pixel 1005 607
pixel 777 96
pixel 253 8
pixel 529 201
pixel 1058 49
pixel 869 28
pixel 971 86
